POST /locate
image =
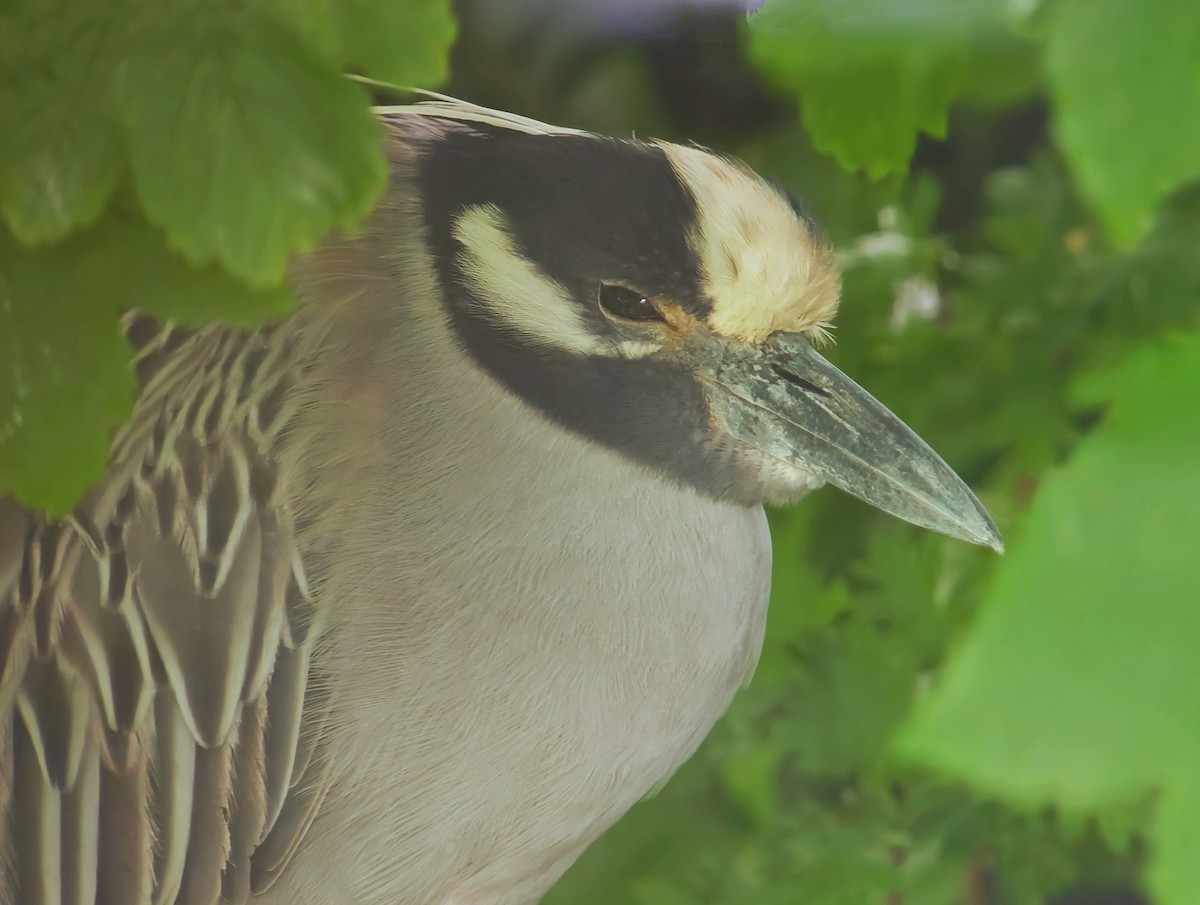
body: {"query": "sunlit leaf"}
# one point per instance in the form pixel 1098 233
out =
pixel 1126 84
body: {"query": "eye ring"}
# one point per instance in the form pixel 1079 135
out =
pixel 627 304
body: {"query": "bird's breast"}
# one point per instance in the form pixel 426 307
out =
pixel 537 633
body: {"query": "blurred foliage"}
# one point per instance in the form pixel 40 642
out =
pixel 1022 286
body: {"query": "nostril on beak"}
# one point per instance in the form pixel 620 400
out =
pixel 797 380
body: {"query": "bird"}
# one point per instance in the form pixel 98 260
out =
pixel 408 596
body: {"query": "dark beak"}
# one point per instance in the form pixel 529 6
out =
pixel 790 403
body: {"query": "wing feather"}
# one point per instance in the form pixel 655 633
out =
pixel 174 777
pixel 208 840
pixel 248 811
pixel 124 864
pixel 35 814
pixel 8 867
pixel 155 647
pixel 285 706
pixel 79 845
pixel 297 815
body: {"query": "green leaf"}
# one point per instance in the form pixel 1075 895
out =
pixel 854 688
pixel 869 118
pixel 59 155
pixel 1175 870
pixel 244 146
pixel 1003 69
pixel 871 74
pixel 653 891
pixel 750 778
pixel 1125 78
pixel 1121 825
pixel 405 42
pixel 65 380
pixel 802 598
pixel 146 275
pixel 1079 681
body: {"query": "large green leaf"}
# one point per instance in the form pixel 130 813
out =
pixel 871 74
pixel 405 42
pixel 1079 682
pixel 1125 78
pixel 244 146
pixel 133 259
pixel 65 380
pixel 59 154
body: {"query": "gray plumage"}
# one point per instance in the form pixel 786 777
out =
pixel 409 597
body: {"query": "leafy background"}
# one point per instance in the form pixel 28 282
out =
pixel 1012 187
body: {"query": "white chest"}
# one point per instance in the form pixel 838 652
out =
pixel 542 633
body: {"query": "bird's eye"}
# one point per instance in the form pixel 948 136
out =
pixel 629 304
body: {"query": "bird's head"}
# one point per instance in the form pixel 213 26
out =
pixel 665 302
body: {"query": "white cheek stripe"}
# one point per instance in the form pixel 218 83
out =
pixel 515 292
